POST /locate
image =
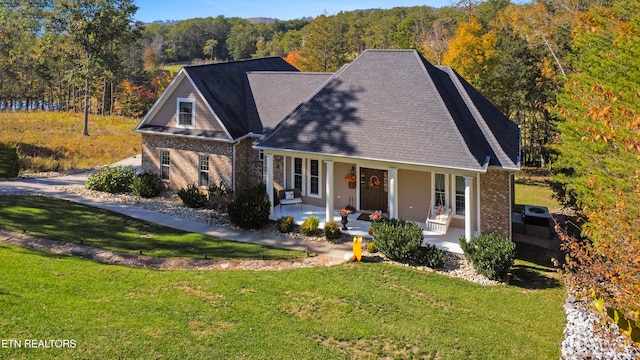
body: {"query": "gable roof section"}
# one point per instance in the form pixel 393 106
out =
pixel 276 94
pixel 225 87
pixel 393 105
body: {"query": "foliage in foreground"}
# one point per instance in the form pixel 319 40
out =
pixel 323 312
pixel 490 254
pixel 250 209
pixel 599 155
pixel 401 241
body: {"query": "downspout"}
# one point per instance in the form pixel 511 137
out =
pixel 233 167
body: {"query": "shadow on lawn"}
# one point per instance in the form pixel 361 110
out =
pixel 533 277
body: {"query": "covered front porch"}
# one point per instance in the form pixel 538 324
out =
pixel 401 191
pixel 448 241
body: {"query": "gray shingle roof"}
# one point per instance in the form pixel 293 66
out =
pixel 226 88
pixel 393 105
pixel 276 94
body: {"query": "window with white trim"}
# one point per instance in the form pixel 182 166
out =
pixel 314 178
pixel 165 163
pixel 460 199
pixel 298 174
pixel 186 117
pixel 203 174
pixel 440 193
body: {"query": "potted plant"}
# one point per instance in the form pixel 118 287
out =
pixel 376 216
pixel 344 213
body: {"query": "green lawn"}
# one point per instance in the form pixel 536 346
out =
pixel 356 310
pixel 532 194
pixel 62 220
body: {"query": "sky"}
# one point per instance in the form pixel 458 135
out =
pixel 153 10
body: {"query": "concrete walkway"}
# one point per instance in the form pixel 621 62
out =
pixel 47 186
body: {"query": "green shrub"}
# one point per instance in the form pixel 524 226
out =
pixel 310 226
pixel 490 254
pixel 286 224
pixel 397 239
pixel 146 185
pixel 371 247
pixel 428 255
pixel 192 197
pixel 111 179
pixel 219 196
pixel 332 230
pixel 250 209
pixel 9 162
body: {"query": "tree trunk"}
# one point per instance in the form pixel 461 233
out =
pixel 111 103
pixel 85 128
pixel 104 95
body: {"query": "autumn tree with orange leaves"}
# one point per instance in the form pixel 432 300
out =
pixel 599 154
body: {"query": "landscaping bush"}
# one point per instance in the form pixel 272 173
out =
pixel 286 224
pixel 397 239
pixel 310 226
pixel 332 230
pixel 250 209
pixel 428 255
pixel 371 247
pixel 490 254
pixel 219 196
pixel 146 185
pixel 192 197
pixel 111 179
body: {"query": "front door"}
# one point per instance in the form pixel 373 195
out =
pixel 374 187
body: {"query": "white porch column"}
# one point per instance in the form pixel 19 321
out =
pixel 269 184
pixel 329 191
pixel 393 193
pixel 468 230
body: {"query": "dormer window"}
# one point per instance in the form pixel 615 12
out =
pixel 186 113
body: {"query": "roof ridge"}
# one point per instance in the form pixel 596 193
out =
pixel 232 61
pixel 423 63
pixel 480 120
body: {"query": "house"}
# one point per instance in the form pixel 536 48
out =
pixel 413 136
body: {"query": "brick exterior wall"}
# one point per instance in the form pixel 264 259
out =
pixel 495 202
pixel 184 153
pixel 249 168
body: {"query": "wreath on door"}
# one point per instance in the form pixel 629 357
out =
pixel 374 181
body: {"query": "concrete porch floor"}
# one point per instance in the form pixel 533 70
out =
pixel 448 242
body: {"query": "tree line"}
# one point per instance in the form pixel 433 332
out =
pixel 92 56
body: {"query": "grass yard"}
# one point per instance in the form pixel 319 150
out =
pixel 62 220
pixel 534 194
pixel 356 310
pixel 52 141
